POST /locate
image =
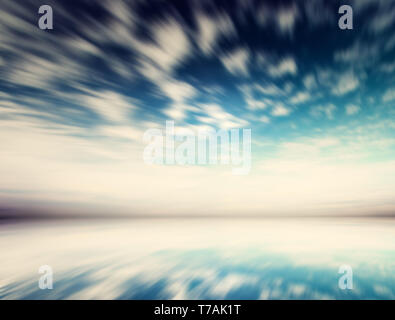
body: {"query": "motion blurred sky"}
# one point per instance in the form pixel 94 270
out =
pixel 76 100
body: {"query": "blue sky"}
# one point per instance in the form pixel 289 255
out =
pixel 76 100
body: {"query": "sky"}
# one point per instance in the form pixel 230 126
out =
pixel 76 100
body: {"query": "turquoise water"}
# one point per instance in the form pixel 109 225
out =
pixel 199 259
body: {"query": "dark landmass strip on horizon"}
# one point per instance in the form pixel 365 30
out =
pixel 8 215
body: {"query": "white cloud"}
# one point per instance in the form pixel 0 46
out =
pixel 40 60
pixel 285 66
pixel 39 72
pixel 220 117
pixel 170 48
pixel 387 67
pixel 359 53
pixel 389 95
pixel 346 83
pixel 309 82
pixel 157 61
pixel 382 20
pixel 300 97
pixel 177 111
pixel 269 89
pixel 254 104
pixel 111 106
pixel 179 92
pixel 210 28
pixel 237 61
pixel 319 111
pixel 286 19
pixel 81 46
pixel 352 109
pixel 222 287
pixel 264 119
pixel 280 111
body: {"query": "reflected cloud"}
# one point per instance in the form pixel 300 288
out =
pixel 206 259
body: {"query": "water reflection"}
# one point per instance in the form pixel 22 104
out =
pixel 199 259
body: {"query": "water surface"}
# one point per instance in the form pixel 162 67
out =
pixel 199 259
